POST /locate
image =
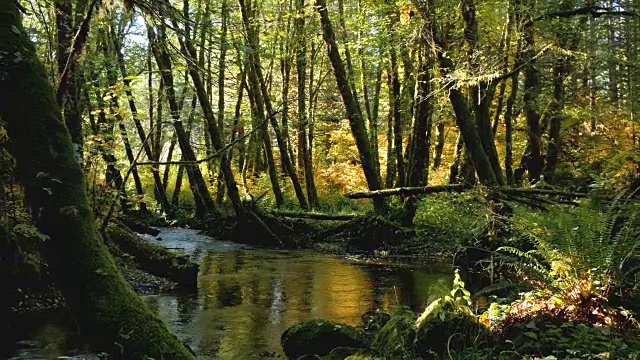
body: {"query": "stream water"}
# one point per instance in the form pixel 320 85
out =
pixel 248 296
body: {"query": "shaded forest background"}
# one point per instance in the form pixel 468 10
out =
pixel 417 93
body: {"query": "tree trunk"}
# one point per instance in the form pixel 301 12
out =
pixel 356 120
pixel 397 119
pixel 201 192
pixel 474 143
pixel 566 37
pixel 167 168
pixel 418 152
pixel 110 315
pixel 257 82
pixel 440 139
pixel 160 191
pixel 508 132
pixel 482 93
pixel 213 130
pixel 304 156
pixel 257 108
pixel 104 127
pixel 391 173
pixel 534 161
pixel 112 78
pixel 224 14
pixel 68 66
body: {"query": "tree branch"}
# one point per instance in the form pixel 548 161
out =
pixel 212 156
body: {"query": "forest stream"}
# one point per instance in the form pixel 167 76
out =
pixel 249 296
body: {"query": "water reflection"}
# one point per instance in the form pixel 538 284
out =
pixel 248 297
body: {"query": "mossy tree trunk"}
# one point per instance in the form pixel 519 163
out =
pixel 199 188
pixel 160 187
pixel 356 120
pixel 395 97
pixel 214 132
pixel 420 143
pixel 110 315
pixel 476 140
pixel 68 66
pixel 533 160
pixel 258 83
pixel 567 38
pixel 304 152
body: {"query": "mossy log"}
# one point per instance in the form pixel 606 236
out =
pixel 320 337
pixel 313 215
pixel 111 317
pixel 139 227
pixel 457 188
pixel 406 191
pixel 153 258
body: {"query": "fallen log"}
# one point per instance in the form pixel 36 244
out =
pixel 407 191
pixel 153 258
pixel 546 192
pixel 423 190
pixel 138 227
pixel 314 216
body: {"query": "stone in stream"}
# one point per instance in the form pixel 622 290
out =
pixel 320 337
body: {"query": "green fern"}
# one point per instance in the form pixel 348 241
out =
pixel 578 243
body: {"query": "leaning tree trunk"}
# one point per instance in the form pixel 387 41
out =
pixel 256 80
pixel 485 167
pixel 213 130
pixel 198 185
pixel 110 315
pixel 356 121
pixel 160 188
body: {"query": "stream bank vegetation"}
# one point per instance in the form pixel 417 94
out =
pixel 502 134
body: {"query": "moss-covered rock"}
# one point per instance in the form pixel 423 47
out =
pixel 395 339
pixel 320 337
pixel 344 352
pixel 456 331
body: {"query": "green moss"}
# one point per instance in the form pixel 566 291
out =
pixel 154 258
pixel 320 337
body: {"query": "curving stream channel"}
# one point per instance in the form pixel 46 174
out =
pixel 248 296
